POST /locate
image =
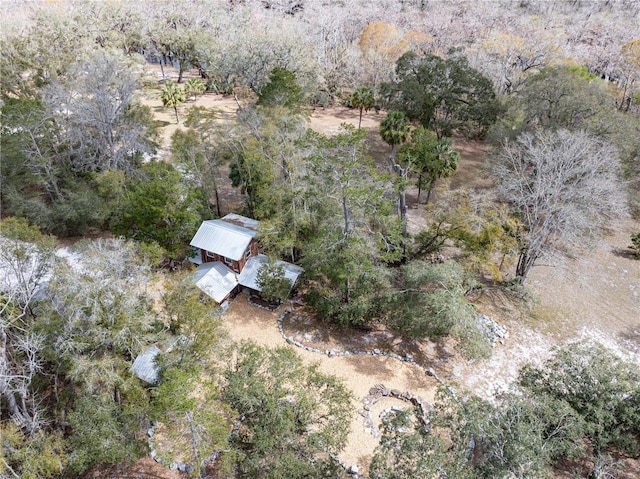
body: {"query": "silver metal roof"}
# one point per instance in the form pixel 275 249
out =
pixel 243 221
pixel 145 366
pixel 216 280
pixel 224 238
pixel 249 273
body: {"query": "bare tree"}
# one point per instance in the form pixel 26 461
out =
pixel 564 186
pixel 26 259
pixel 106 128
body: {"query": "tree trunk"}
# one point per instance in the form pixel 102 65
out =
pixel 164 77
pixel 360 119
pixel 402 198
pixel 525 261
pixel 175 108
pixel 9 394
pixel 217 195
pixel 429 189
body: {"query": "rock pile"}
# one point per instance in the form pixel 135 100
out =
pixel 492 330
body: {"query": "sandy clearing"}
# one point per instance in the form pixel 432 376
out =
pixel 360 373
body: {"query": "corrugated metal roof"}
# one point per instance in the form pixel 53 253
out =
pixel 250 272
pixel 223 238
pixel 216 280
pixel 243 221
pixel 145 366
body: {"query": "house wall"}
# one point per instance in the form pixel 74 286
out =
pixel 235 265
pixel 253 251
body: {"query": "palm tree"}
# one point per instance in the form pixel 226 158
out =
pixel 172 95
pixel 193 86
pixel 363 99
pixel 394 130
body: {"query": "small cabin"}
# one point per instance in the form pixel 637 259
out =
pixel 227 254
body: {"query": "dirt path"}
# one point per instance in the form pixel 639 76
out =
pixel 360 373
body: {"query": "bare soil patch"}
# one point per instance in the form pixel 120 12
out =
pixel 360 373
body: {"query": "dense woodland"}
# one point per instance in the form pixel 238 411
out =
pixel 553 87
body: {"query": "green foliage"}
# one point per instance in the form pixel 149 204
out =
pixel 38 184
pixel 408 449
pixel 516 436
pixel 291 415
pixel 635 244
pixel 39 456
pixel 520 436
pixel 431 158
pixel 428 300
pixel 194 320
pixel 363 99
pixel 267 164
pixel 101 433
pixel 101 312
pixel 343 258
pixel 193 86
pixel 282 90
pixel 172 95
pixel 597 386
pixel 274 285
pixel 196 424
pixel 443 94
pixel 160 208
pixel 394 128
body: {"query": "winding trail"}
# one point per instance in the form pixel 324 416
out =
pixel 361 373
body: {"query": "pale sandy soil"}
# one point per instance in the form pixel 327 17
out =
pixel 360 373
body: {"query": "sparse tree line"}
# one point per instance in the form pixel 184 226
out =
pixel 78 152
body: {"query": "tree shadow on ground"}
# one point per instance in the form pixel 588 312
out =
pixel 626 253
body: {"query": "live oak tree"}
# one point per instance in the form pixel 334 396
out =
pixel 563 186
pixel 281 90
pixel 268 165
pixel 581 404
pixel 290 417
pixel 159 207
pixel 428 300
pixel 598 388
pixel 442 94
pixel 194 421
pixel 99 320
pixel 198 150
pixel 356 233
